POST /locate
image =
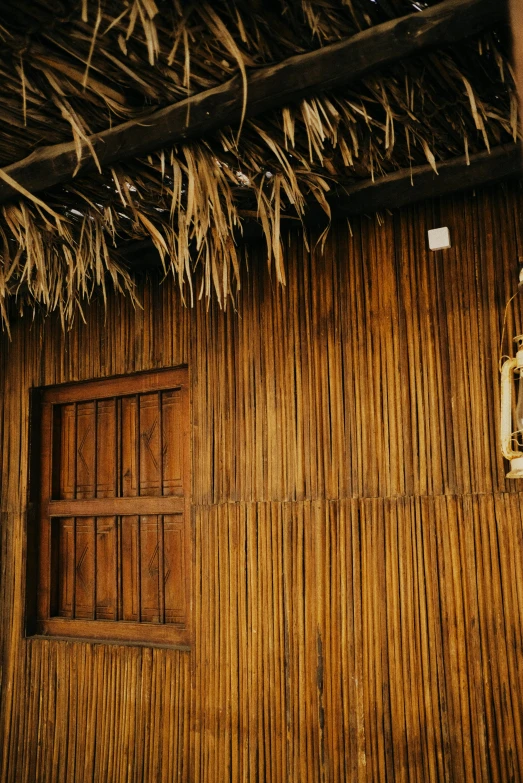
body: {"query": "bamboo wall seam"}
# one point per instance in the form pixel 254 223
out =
pixel 358 553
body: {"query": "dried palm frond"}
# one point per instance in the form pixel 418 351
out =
pixel 71 69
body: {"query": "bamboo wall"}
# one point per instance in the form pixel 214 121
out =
pixel 358 554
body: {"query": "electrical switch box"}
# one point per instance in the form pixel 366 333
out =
pixel 439 238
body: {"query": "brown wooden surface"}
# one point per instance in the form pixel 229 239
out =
pixel 127 505
pixel 107 564
pixel 327 68
pixel 516 17
pixel 358 552
pixel 407 186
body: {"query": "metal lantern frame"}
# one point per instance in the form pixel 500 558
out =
pixel 509 368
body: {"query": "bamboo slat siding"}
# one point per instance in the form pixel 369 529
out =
pixel 371 373
pixel 358 555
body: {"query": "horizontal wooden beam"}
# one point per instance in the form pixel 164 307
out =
pixel 113 507
pixel 421 182
pixel 394 190
pixel 331 67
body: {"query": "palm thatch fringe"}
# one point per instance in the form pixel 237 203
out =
pixel 72 73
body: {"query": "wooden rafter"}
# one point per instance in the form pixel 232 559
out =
pixel 421 182
pixel 405 186
pixel 328 68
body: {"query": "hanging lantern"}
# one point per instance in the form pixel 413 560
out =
pixel 512 424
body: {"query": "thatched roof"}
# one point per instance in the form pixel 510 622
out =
pixel 72 69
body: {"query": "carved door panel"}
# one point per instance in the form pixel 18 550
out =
pixel 114 532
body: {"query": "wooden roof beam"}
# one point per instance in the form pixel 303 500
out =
pixel 421 182
pixel 331 67
pixel 404 187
